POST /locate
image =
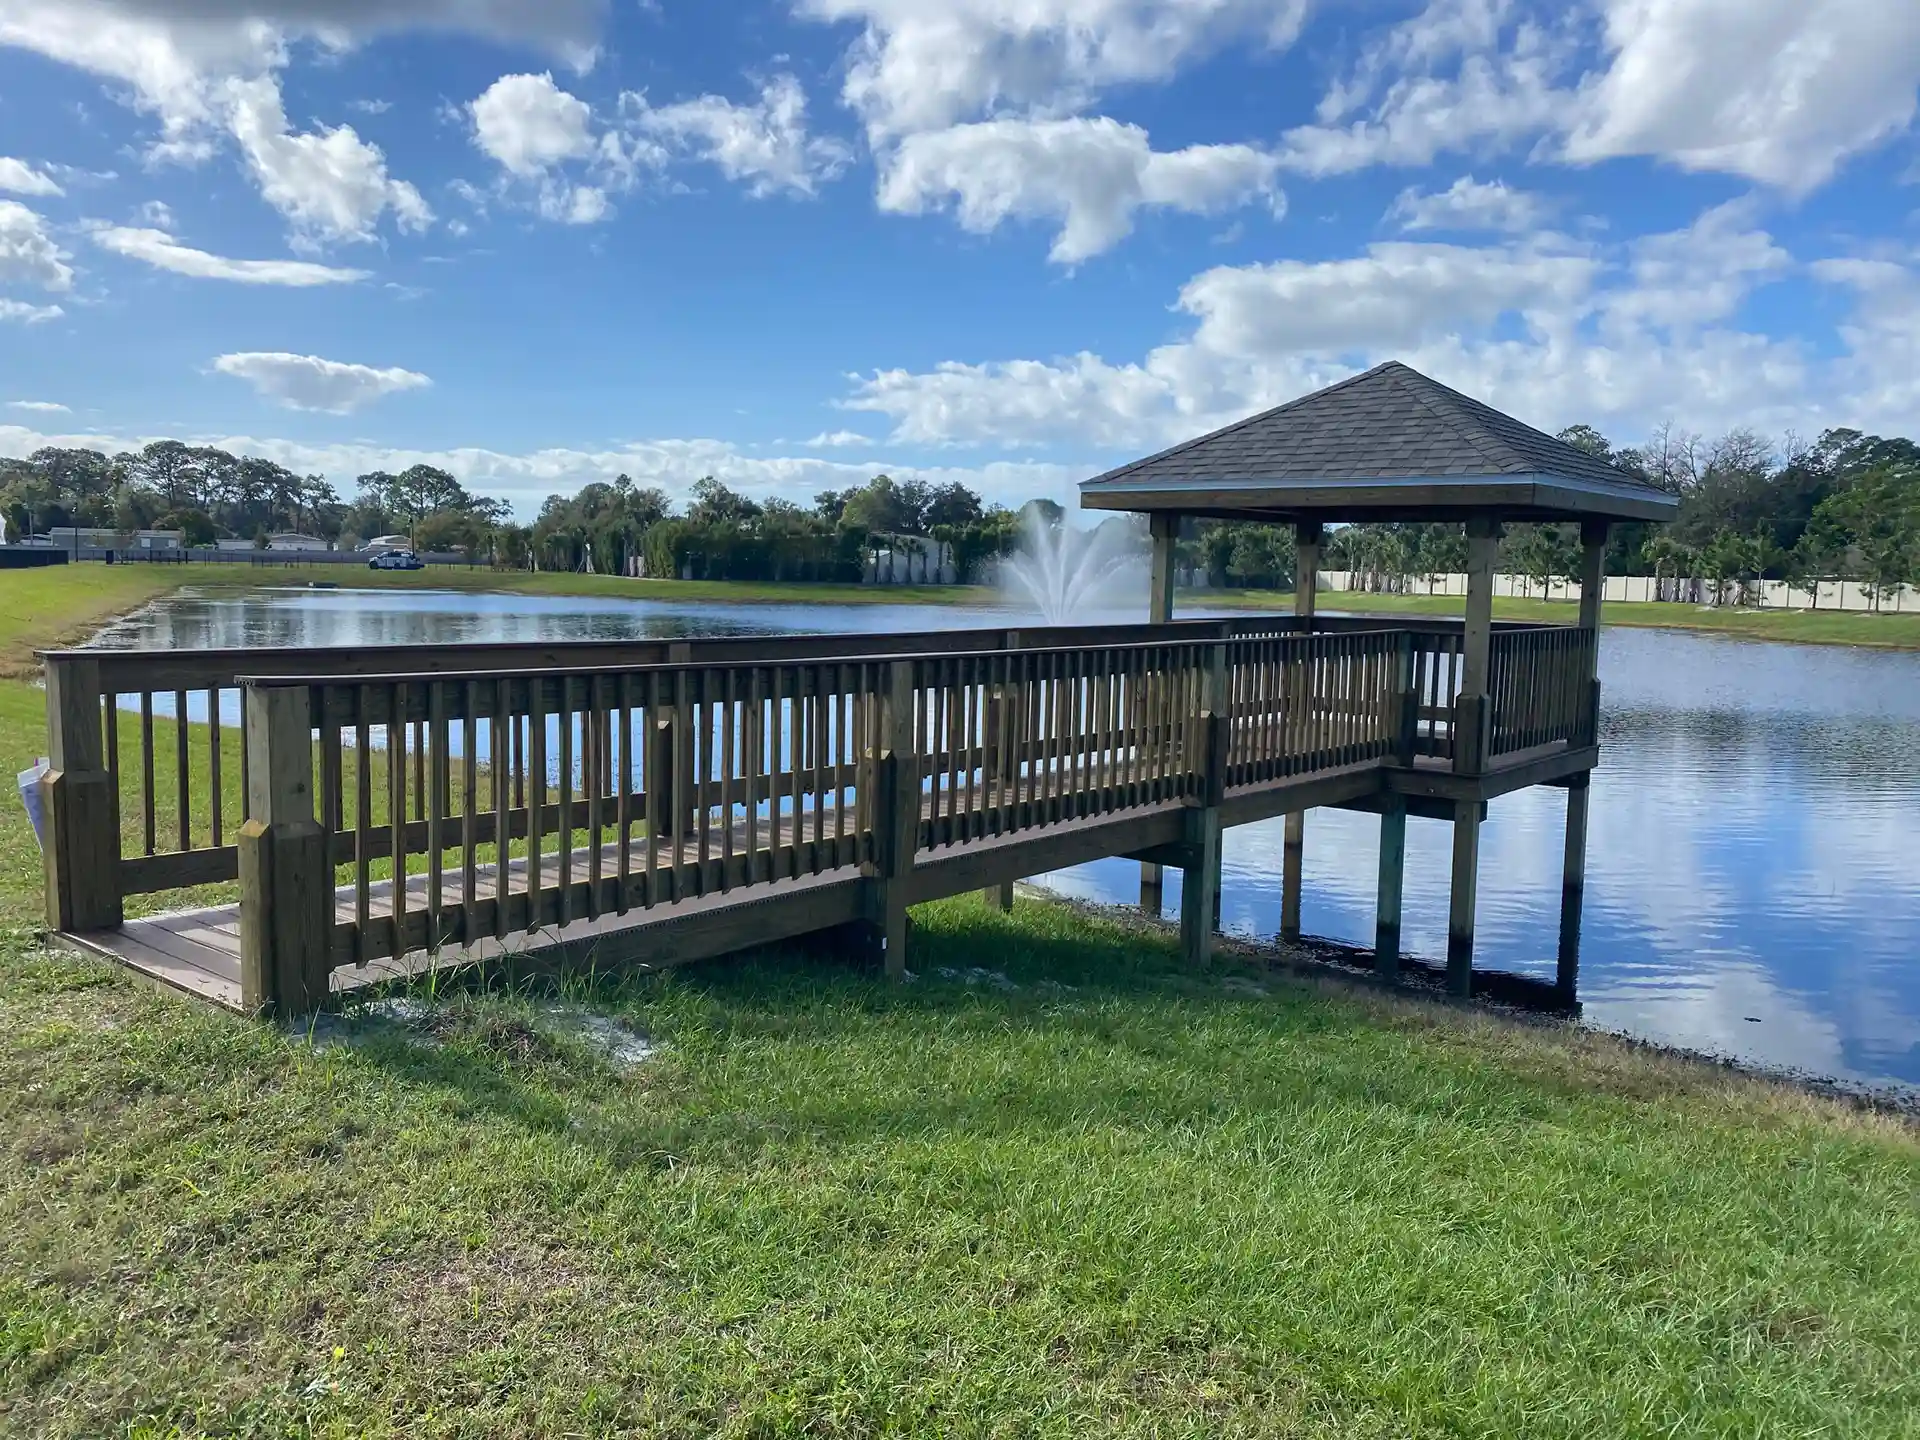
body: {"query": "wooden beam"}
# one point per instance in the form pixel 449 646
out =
pixel 1393 866
pixel 1573 886
pixel 286 878
pixel 80 849
pixel 1464 895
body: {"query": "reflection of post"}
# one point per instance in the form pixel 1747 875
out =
pixel 1165 530
pixel 1306 583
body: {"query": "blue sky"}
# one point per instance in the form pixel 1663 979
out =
pixel 1005 241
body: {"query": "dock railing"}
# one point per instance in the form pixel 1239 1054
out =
pixel 151 784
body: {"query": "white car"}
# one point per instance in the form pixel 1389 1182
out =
pixel 396 560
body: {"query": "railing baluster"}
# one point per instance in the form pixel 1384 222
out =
pixel 397 810
pixel 216 830
pixel 362 825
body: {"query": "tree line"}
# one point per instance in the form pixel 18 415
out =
pixel 1846 506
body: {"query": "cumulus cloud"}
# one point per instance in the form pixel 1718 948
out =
pixel 330 184
pixel 1780 91
pixel 22 179
pixel 1090 175
pixel 163 252
pixel 22 313
pixel 307 382
pixel 917 66
pixel 765 145
pixel 529 124
pixel 1554 329
pixel 28 255
pixel 836 440
pixel 1468 204
pixel 39 407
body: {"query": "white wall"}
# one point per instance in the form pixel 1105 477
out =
pixel 1630 589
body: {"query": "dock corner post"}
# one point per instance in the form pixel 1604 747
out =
pixel 1472 711
pixel 1164 528
pixel 81 846
pixel 1307 537
pixel 286 878
pixel 1393 869
pixel 1465 895
pixel 898 816
pixel 1200 877
pixel 1001 767
pixel 1573 885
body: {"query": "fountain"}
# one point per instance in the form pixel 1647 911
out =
pixel 1071 575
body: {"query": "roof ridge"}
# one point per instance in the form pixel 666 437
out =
pixel 1255 419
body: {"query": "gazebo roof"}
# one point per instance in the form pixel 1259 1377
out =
pixel 1389 444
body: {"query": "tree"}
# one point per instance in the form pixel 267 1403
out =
pixel 1876 519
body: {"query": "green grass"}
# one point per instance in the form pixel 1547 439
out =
pixel 1804 627
pixel 1117 1197
pixel 1146 1204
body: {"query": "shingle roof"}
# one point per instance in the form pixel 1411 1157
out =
pixel 1391 423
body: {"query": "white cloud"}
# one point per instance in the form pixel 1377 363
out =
pixel 42 407
pixel 528 124
pixel 764 145
pixel 22 179
pixel 25 314
pixel 1779 91
pixel 307 382
pixel 173 55
pixel 1555 330
pixel 836 440
pixel 331 184
pixel 28 255
pixel 163 252
pixel 1469 204
pixel 527 478
pixel 1089 174
pixel 919 66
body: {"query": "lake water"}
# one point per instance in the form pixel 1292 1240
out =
pixel 1753 879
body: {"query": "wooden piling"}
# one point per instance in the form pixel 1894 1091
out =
pixel 1307 537
pixel 1393 866
pixel 1165 532
pixel 900 816
pixel 1200 877
pixel 1573 887
pixel 1465 892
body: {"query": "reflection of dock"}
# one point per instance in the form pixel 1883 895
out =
pixel 655 803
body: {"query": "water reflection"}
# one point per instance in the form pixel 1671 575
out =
pixel 1754 867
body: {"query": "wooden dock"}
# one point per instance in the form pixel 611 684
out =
pixel 646 806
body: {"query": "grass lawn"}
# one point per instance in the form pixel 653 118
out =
pixel 1093 1193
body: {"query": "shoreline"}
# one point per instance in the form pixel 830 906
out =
pixel 1522 1001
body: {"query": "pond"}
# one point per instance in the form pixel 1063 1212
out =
pixel 1753 884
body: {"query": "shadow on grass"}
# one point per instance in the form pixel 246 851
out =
pixel 1035 1024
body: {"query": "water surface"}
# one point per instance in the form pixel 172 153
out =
pixel 1753 878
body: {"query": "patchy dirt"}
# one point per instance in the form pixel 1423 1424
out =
pixel 517 1037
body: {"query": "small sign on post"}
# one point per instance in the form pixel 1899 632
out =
pixel 30 796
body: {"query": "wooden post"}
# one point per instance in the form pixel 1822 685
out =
pixel 1393 869
pixel 1471 712
pixel 1165 531
pixel 1593 581
pixel 81 847
pixel 1466 884
pixel 898 815
pixel 286 882
pixel 1200 877
pixel 1307 536
pixel 1002 765
pixel 1573 889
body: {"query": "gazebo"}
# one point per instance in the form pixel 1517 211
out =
pixel 1392 444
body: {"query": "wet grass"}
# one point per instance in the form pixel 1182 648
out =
pixel 1105 1197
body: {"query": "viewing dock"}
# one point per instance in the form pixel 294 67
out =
pixel 646 804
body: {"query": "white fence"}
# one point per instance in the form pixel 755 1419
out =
pixel 1758 594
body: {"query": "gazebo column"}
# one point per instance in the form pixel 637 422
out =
pixel 1470 729
pixel 1306 581
pixel 1164 527
pixel 1573 883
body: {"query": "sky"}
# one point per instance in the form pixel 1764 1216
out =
pixel 792 243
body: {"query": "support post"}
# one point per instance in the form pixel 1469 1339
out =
pixel 1593 580
pixel 1471 713
pixel 1200 877
pixel 1307 536
pixel 1573 889
pixel 286 880
pixel 81 847
pixel 898 816
pixel 1466 885
pixel 1164 528
pixel 1393 869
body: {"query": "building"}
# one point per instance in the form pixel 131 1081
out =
pixel 105 537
